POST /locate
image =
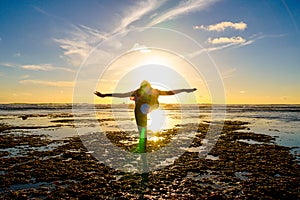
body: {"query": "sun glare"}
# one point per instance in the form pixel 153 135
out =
pixel 157 120
pixel 163 69
pixel 155 139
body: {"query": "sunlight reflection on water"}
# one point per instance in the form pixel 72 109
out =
pixel 279 121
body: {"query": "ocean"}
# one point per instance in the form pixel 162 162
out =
pixel 60 121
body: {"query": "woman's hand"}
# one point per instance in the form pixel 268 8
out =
pixel 191 90
pixel 99 94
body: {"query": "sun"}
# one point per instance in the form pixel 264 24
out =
pixel 155 65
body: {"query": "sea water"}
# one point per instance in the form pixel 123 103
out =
pixel 60 121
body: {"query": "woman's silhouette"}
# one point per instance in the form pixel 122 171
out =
pixel 146 100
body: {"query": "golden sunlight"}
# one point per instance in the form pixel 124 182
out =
pixel 156 139
pixel 161 68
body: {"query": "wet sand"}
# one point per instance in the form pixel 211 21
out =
pixel 242 165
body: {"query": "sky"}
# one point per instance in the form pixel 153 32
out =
pixel 234 52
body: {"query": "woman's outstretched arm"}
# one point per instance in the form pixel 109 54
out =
pixel 120 95
pixel 172 92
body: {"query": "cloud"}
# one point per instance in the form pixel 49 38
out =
pixel 291 15
pixel 223 40
pixel 80 41
pixel 36 67
pixel 48 83
pixel 40 10
pixel 74 51
pixel 223 45
pixel 44 67
pixel 236 44
pixel 78 44
pixel 223 25
pixel 184 7
pixel 7 65
pixel 259 36
pixel 94 32
pixel 136 12
pixel 210 49
pixel 141 48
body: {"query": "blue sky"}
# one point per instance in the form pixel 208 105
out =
pixel 254 44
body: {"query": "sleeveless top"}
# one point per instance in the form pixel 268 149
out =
pixel 149 98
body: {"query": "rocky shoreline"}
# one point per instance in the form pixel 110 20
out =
pixel 242 165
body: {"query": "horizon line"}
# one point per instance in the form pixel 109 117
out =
pixel 160 103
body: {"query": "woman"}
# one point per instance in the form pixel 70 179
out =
pixel 146 100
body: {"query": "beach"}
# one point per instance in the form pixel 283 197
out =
pixel 44 153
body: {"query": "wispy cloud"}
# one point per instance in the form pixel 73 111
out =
pixel 98 35
pixel 7 65
pixel 74 46
pixel 141 48
pixel 222 26
pixel 48 83
pixel 223 40
pixel 77 45
pixel 210 49
pixel 259 36
pixel 37 67
pixel 184 7
pixel 136 12
pixel 221 47
pixel 40 10
pixel 256 37
pixel 83 39
pixel 291 15
pixel 74 50
pixel 44 67
pixel 232 44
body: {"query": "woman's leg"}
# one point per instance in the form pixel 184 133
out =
pixel 141 120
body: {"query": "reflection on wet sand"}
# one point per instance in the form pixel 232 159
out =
pixel 233 169
pixel 42 156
